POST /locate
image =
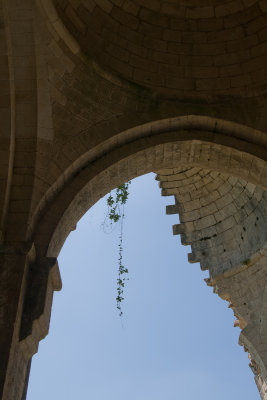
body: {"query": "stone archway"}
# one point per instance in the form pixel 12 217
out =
pixel 199 141
pixel 181 163
pixel 210 221
pixel 78 120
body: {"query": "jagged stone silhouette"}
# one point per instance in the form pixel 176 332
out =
pixel 97 92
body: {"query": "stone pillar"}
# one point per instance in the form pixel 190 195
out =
pixel 26 291
pixel 13 270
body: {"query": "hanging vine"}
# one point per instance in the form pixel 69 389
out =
pixel 115 203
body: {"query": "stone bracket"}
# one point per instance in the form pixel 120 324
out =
pixel 43 280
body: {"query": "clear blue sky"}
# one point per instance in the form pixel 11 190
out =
pixel 177 339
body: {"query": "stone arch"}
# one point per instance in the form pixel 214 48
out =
pixel 183 138
pixel 88 119
pixel 193 127
pixel 203 155
pixel 158 157
pixel 213 154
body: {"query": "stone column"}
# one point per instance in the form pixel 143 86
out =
pixel 26 291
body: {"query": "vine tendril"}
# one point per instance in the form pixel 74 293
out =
pixel 115 203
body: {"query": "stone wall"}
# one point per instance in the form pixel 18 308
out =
pixel 223 218
pixel 97 92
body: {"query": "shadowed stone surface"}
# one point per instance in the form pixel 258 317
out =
pixel 97 92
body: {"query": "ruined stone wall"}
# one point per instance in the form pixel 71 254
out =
pixel 223 218
pixel 97 92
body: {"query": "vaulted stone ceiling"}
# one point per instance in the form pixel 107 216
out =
pixel 208 46
pixel 96 92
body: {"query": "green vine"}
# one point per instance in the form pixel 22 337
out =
pixel 116 203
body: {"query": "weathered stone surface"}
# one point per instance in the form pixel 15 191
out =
pixel 224 219
pixel 228 236
pixel 97 92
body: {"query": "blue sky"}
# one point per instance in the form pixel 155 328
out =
pixel 176 339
